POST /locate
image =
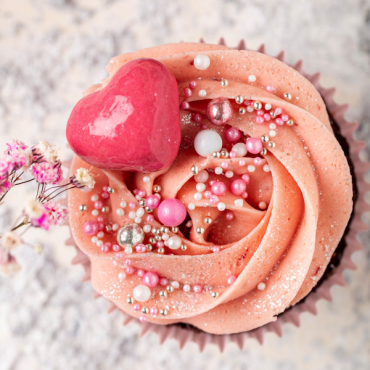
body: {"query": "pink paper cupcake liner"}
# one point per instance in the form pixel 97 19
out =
pixel 184 335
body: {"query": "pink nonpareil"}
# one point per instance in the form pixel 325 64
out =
pixel 254 145
pixel 238 187
pixel 152 201
pixel 229 215
pixel 90 228
pixel 232 134
pixel 171 212
pixel 150 279
pixel 218 188
pixel 141 248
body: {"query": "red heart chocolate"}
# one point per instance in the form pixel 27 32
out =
pixel 133 124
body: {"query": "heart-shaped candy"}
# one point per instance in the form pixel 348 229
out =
pixel 133 124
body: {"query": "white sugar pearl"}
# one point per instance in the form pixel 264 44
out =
pixel 120 211
pixel 138 220
pixel 202 93
pixel 250 109
pixel 166 243
pixel 191 206
pixel 206 142
pixel 99 243
pixel 272 133
pixel 251 78
pixel 268 106
pixel 132 214
pixel 123 204
pixel 128 250
pixel 121 276
pixel 138 197
pixel 251 168
pixel 146 178
pixel 165 237
pixel 200 187
pixel 95 212
pixel 262 205
pixel 100 234
pixel 140 212
pixel 175 284
pixel 202 62
pixel 261 286
pixel 266 168
pixel 197 196
pixel 94 239
pixel 202 176
pixel 229 174
pixel 218 170
pixel 141 293
pixel 240 149
pixel 94 198
pixel 158 195
pixel 186 288
pixel 174 242
pixel 115 227
pixel 238 202
pixel 221 206
pixel 147 228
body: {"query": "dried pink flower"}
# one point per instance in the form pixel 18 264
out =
pixel 5 186
pixel 10 240
pixel 57 213
pixel 15 145
pixel 47 173
pixel 7 165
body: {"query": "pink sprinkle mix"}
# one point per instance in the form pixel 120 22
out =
pixel 98 204
pixel 246 178
pixel 142 193
pixel 105 195
pixel 140 273
pixel 159 244
pixel 105 188
pixel 279 121
pixel 207 194
pixel 150 218
pixel 163 281
pixel 116 247
pixel 269 88
pixel 260 120
pixel 188 92
pixel 198 288
pixel 142 318
pixel 214 199
pixel 141 248
pixel 230 215
pixel 278 111
pixel 136 191
pixel 136 307
pixel 215 249
pixel 232 154
pixel 242 162
pixel 284 117
pixel 130 270
pixel 257 161
pixel 267 117
pixel 231 279
pixel 224 164
pixel 197 117
pixel 260 112
pixel 101 226
pixel 203 127
pixel 211 182
pixel 153 311
pixel 119 255
pixel 248 102
pixel 132 204
pixel 245 195
pixel 128 262
pixel 272 126
pixel 104 248
pixel 100 219
pixel 184 105
pixel 192 84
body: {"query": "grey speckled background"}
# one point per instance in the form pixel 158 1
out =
pixel 50 51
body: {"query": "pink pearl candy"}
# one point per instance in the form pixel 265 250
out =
pixel 150 218
pixel 171 212
pixel 104 248
pixel 203 127
pixel 207 194
pixel 245 195
pixel 163 281
pixel 116 248
pixel 248 102
pixel 197 117
pixel 188 92
pixel 284 117
pixel 231 279
pixel 246 178
pixel 269 88
pixel 192 84
pixel 119 255
pixel 136 307
pixel 142 193
pixel 136 191
pixel 153 311
pixel 218 188
pixel 278 111
pixel 132 204
pixel 260 120
pixel 128 262
pixel 242 162
pixel 141 248
pixel 219 111
pixel 272 126
pixel 150 279
pixel 98 204
pixel 100 219
pixel 142 318
pixel 232 154
pixel 159 244
pixel 238 187
pixel 105 188
pixel 215 249
pixel 211 182
pixel 105 195
pixel 130 270
pixel 230 215
pixel 90 228
pixel 257 161
pixel 152 201
pixel 267 117
pixel 213 200
pixel 184 105
pixel 224 164
pixel 198 288
pixel 279 121
pixel 141 273
pixel 109 244
pixel 232 134
pixel 260 112
pixel 254 145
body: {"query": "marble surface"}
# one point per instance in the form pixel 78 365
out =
pixel 50 51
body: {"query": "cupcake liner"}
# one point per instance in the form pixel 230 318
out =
pixel 292 315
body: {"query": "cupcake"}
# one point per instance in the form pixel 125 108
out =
pixel 224 189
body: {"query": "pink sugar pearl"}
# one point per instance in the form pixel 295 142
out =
pixel 188 93
pixel 142 318
pixel 272 126
pixel 163 281
pixel 159 244
pixel 257 161
pixel 104 248
pixel 141 272
pixel 232 154
pixel 284 117
pixel 279 121
pixel 152 201
pixel 213 200
pixel 171 212
pixel 242 162
pixel 184 105
pixel 153 311
pixel 207 194
pixel 116 248
pixel 132 204
pixel 130 270
pixel 98 204
pixel 100 219
pixel 218 188
pixel 224 164
pixel 192 84
pixel 246 178
pixel 150 218
pixel 150 279
pixel 278 111
pixel 109 244
pixel 231 279
pixel 232 134
pixel 119 255
pixel 215 249
pixel 136 307
pixel 198 117
pixel 203 127
pixel 254 145
pixel 260 120
pixel 90 228
pixel 128 262
pixel 260 112
pixel 269 88
pixel 198 288
pixel 230 215
pixel 245 195
pixel 238 187
pixel 248 102
pixel 136 191
pixel 105 195
pixel 141 248
pixel 105 188
pixel 267 117
pixel 142 193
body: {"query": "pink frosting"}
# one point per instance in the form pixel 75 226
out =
pixel 287 246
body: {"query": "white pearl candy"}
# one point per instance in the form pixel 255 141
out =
pixel 94 239
pixel 266 168
pixel 132 214
pixel 202 93
pixel 175 284
pixel 94 198
pixel 191 206
pixel 218 170
pixel 146 178
pixel 95 212
pixel 120 211
pixel 251 78
pixel 239 202
pixel 142 293
pixel 197 196
pixel 123 204
pixel 137 220
pixel 140 212
pixel 240 149
pixel 174 242
pixel 251 168
pixel 202 176
pixel 115 227
pixel 128 250
pixel 100 234
pixel 147 228
pixel 186 288
pixel 261 286
pixel 202 62
pixel 99 243
pixel 229 174
pixel 221 206
pixel 206 142
pixel 121 276
pixel 200 187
